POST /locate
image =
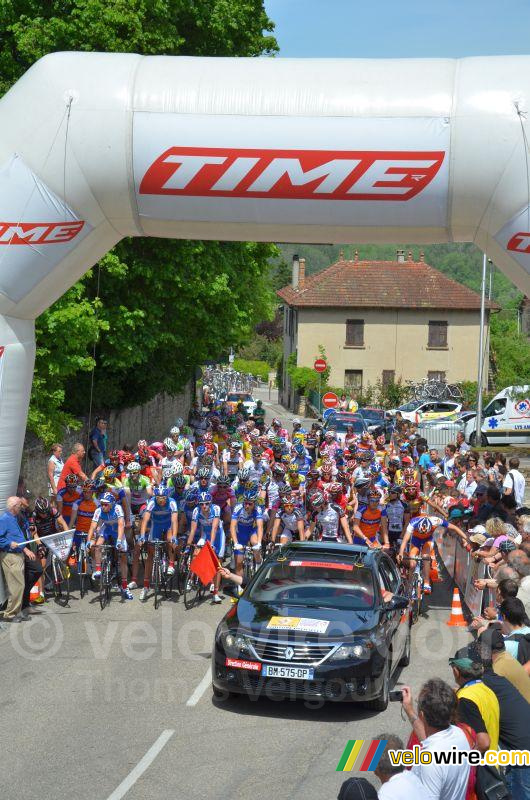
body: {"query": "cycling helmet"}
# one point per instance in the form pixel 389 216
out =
pixel 504 547
pixel 360 483
pixel 394 489
pixel 205 497
pixel 200 452
pixel 88 485
pixel 99 484
pixel 410 480
pixel 133 468
pixel 335 488
pixel 176 468
pixel 224 480
pixel 169 444
pixel 284 490
pixel 42 505
pixel 299 449
pixel 424 525
pixel 108 498
pixel 257 452
pixel 203 473
pixel 160 491
pixel 394 461
pixel 318 499
pixel 207 461
pixel 208 436
pixel 235 444
pixel 71 481
pixel 278 469
pixel 292 469
pixel 191 496
pixel 179 481
pixel 174 431
pixel 251 495
pixel 142 444
pixel 408 472
pixel 375 468
pixel 109 474
pixel 327 466
pixel 374 496
pixel 179 423
pixel 275 423
pixel 313 474
pixel 287 500
pixel 244 474
pixel 167 472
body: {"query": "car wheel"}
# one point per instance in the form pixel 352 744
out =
pixel 404 661
pixel 473 440
pixel 380 703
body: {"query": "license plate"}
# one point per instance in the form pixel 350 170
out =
pixel 286 671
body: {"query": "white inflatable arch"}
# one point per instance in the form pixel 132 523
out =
pixel 95 147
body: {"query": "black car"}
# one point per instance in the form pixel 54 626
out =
pixel 377 421
pixel 313 624
pixel 339 421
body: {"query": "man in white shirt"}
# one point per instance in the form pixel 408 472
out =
pixel 514 482
pixel 467 484
pixel 432 725
pixel 397 782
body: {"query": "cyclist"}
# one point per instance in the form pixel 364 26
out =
pixel 67 496
pixel 288 522
pixel 44 521
pixel 83 512
pixel 371 520
pixel 398 515
pixel 301 458
pixel 162 513
pixel 419 533
pixel 336 495
pixel 232 459
pixel 115 487
pixel 296 483
pixel 246 529
pixel 108 526
pixel 139 488
pixel 224 496
pixel 206 524
pixel 329 521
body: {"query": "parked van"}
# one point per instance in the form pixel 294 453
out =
pixel 505 420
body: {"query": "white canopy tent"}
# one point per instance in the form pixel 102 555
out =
pixel 95 147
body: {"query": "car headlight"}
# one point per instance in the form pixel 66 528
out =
pixel 358 651
pixel 235 645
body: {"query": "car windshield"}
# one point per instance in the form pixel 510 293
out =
pixel 408 407
pixel 315 584
pixel 340 424
pixel 235 398
pixel 372 413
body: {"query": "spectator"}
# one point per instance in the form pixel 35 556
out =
pixel 461 445
pixel 397 782
pixel 514 482
pixel 491 648
pixel 97 449
pixel 357 789
pixel 480 497
pixel 516 629
pixel 55 467
pixel 432 725
pixel 449 461
pixel 492 507
pixel 72 465
pixel 19 564
pixel 467 484
pixel 477 705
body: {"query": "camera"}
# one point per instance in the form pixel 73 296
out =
pixel 396 694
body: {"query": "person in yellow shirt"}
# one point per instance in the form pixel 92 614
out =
pixel 478 706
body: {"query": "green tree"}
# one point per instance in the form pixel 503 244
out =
pixel 165 306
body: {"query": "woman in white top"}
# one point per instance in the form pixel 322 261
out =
pixel 55 466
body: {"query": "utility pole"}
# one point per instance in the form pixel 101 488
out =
pixel 478 429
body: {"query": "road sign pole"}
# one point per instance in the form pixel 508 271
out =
pixel 319 394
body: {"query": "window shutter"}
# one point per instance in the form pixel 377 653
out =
pixel 437 333
pixel 354 332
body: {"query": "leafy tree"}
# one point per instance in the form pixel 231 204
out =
pixel 165 306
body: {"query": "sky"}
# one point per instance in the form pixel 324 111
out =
pixel 400 28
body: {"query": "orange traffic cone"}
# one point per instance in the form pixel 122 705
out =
pixel 456 618
pixel 434 574
pixel 34 593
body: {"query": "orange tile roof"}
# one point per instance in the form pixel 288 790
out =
pixel 387 284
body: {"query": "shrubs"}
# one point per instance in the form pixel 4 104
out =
pixel 260 369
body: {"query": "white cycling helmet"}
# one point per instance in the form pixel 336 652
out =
pixel 133 467
pixel 174 431
pixel 177 468
pixel 179 422
pixel 170 444
pixel 167 472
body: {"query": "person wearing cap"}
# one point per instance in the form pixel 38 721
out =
pixel 491 645
pixel 357 789
pixel 477 705
pixel 432 724
pixel 397 783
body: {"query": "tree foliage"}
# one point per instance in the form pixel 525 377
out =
pixel 164 306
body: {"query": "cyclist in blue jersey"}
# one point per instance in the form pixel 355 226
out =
pixel 162 513
pixel 247 528
pixel 206 524
pixel 108 527
pixel 420 532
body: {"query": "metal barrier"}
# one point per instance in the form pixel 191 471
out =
pixel 439 434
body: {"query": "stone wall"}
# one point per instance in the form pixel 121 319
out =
pixel 150 421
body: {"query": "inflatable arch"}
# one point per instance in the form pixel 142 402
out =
pixel 95 147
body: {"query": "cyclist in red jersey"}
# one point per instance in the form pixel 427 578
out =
pixel 224 496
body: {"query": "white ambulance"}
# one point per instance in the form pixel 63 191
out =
pixel 505 420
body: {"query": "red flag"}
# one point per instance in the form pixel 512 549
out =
pixel 205 564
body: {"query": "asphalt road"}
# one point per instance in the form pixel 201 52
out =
pixel 100 705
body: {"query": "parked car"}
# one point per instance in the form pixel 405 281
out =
pixel 339 421
pixel 313 624
pixel 427 410
pixel 505 420
pixel 233 398
pixel 377 418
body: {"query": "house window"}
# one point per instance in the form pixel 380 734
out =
pixel 389 376
pixel 436 376
pixel 437 333
pixel 353 380
pixel 355 333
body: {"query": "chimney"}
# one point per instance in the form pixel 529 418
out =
pixel 356 257
pixel 400 256
pixel 409 256
pixel 422 257
pixel 341 255
pixel 296 271
pixel 301 274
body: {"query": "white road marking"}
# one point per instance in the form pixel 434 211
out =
pixel 199 691
pixel 142 765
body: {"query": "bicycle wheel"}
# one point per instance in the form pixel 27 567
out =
pixel 191 590
pixel 57 578
pixel 417 595
pixel 103 583
pixel 156 580
pixel 82 572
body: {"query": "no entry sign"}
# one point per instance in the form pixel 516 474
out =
pixel 330 400
pixel 320 365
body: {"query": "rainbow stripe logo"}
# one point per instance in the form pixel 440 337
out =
pixel 361 755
